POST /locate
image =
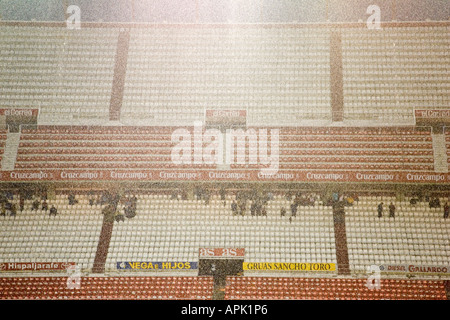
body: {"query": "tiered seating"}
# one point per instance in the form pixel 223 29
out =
pixel 174 230
pixel 97 147
pixel 262 288
pixel 390 72
pixel 355 149
pixel 280 75
pixel 68 74
pixel 418 235
pixel 300 149
pixel 94 288
pixel 447 144
pixel 3 138
pixel 71 236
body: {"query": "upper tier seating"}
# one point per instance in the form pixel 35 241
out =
pixel 68 74
pixel 374 149
pixel 390 72
pixel 101 288
pixel 281 76
pixel 263 288
pixel 417 235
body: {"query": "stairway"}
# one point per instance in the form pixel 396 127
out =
pixel 440 153
pixel 10 152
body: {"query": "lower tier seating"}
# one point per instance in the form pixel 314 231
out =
pixel 93 288
pixel 262 288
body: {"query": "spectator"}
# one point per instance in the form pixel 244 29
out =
pixel 234 207
pixel 2 209
pixel 243 206
pixel 72 199
pixel 222 194
pixel 119 216
pixel 53 211
pixel 22 203
pixel 413 201
pixel 391 210
pixel 264 212
pixel 380 210
pixel 294 209
pixel 13 210
pixel 35 205
pixel 91 198
pixel 253 209
pixel 446 210
pixel 44 205
pixel 283 211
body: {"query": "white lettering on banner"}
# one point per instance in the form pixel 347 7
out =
pixel 325 176
pixel 434 113
pixel 281 176
pixel 425 177
pixel 79 175
pixel 383 177
pixel 130 175
pixel 29 175
pixel 180 175
pixel 21 112
pixel 229 175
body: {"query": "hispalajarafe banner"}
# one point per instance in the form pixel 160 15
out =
pixel 412 268
pixel 35 266
pixel 268 266
pixel 224 175
pixel 146 265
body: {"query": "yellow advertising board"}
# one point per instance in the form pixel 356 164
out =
pixel 284 266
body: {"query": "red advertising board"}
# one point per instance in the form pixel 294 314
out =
pixel 225 175
pixel 432 117
pixel 221 252
pixel 225 117
pixel 35 266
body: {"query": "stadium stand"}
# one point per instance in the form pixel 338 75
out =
pixel 418 235
pixel 174 230
pixel 66 73
pixel 101 288
pixel 109 98
pixel 390 72
pixel 279 75
pixel 34 236
pixel 260 288
pixel 370 149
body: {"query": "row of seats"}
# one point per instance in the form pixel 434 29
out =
pixel 389 73
pixel 417 235
pixel 66 74
pixel 106 288
pixel 389 151
pixel 277 288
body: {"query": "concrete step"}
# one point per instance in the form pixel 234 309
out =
pixel 10 152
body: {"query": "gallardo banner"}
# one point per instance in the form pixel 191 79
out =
pixel 263 266
pixel 127 265
pixel 411 268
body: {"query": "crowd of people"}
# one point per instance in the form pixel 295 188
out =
pixel 39 203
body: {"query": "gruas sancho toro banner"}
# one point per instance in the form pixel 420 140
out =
pixel 432 117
